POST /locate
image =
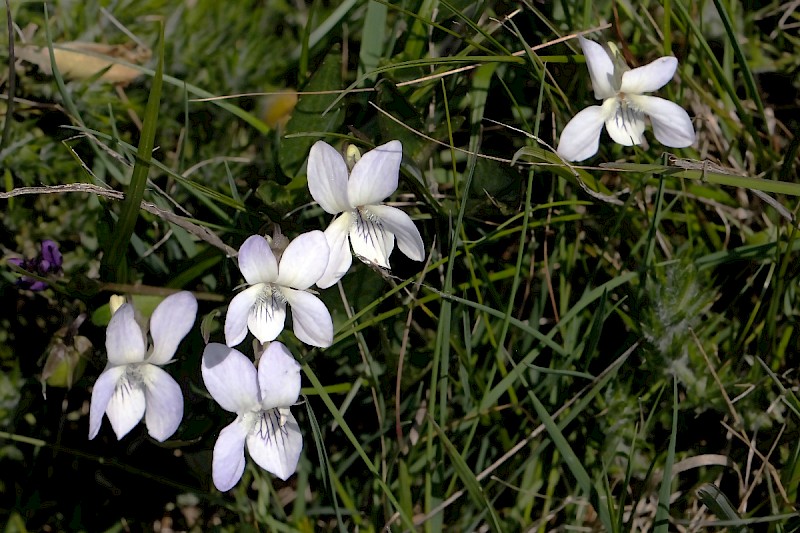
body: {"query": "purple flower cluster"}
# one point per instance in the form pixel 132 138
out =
pixel 46 263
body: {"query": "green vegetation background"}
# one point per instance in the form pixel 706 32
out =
pixel 599 348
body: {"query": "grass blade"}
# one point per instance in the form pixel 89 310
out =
pixel 662 514
pixel 718 503
pixel 337 416
pixel 372 39
pixel 468 477
pixel 573 462
pixel 113 264
pixel 749 80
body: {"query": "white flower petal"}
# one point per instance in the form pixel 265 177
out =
pixel 268 314
pixel 397 222
pixel 311 319
pixel 327 178
pixel 256 261
pixel 227 464
pixel 230 378
pixel 650 77
pixel 375 175
pixel 370 239
pixel 127 405
pixel 340 257
pixel 164 399
pixel 124 338
pixel 626 123
pixel 601 70
pixel 581 136
pixel 102 392
pixel 304 261
pixel 239 313
pixel 671 123
pixel 275 443
pixel 278 377
pixel 170 323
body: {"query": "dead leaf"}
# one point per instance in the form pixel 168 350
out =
pixel 79 60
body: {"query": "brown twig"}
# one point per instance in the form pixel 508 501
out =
pixel 201 232
pixel 149 290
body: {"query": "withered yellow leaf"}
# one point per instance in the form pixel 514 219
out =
pixel 79 60
pixel 278 108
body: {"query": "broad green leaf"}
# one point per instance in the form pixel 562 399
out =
pixel 311 115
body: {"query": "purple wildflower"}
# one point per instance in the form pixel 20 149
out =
pixel 50 259
pixel 48 262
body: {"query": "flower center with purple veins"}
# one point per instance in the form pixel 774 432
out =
pixel 131 380
pixel 368 225
pixel 627 113
pixel 266 424
pixel 268 300
pixel 271 423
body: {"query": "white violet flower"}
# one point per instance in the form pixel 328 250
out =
pixel 278 281
pixel 625 106
pixel 368 225
pixel 261 401
pixel 133 383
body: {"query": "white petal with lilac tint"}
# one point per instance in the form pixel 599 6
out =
pixel 124 338
pixel 164 401
pixel 327 178
pixel 256 261
pixel 102 392
pixel 169 324
pixel 650 77
pixel 275 443
pixel 671 123
pixel 312 322
pixel 304 260
pixel 340 258
pixel 127 405
pixel 626 124
pixel 375 176
pixel 229 377
pixel 581 136
pixel 370 239
pixel 268 314
pixel 601 68
pixel 238 314
pixel 227 463
pixel 409 241
pixel 278 377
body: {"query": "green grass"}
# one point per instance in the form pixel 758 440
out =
pixel 603 346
